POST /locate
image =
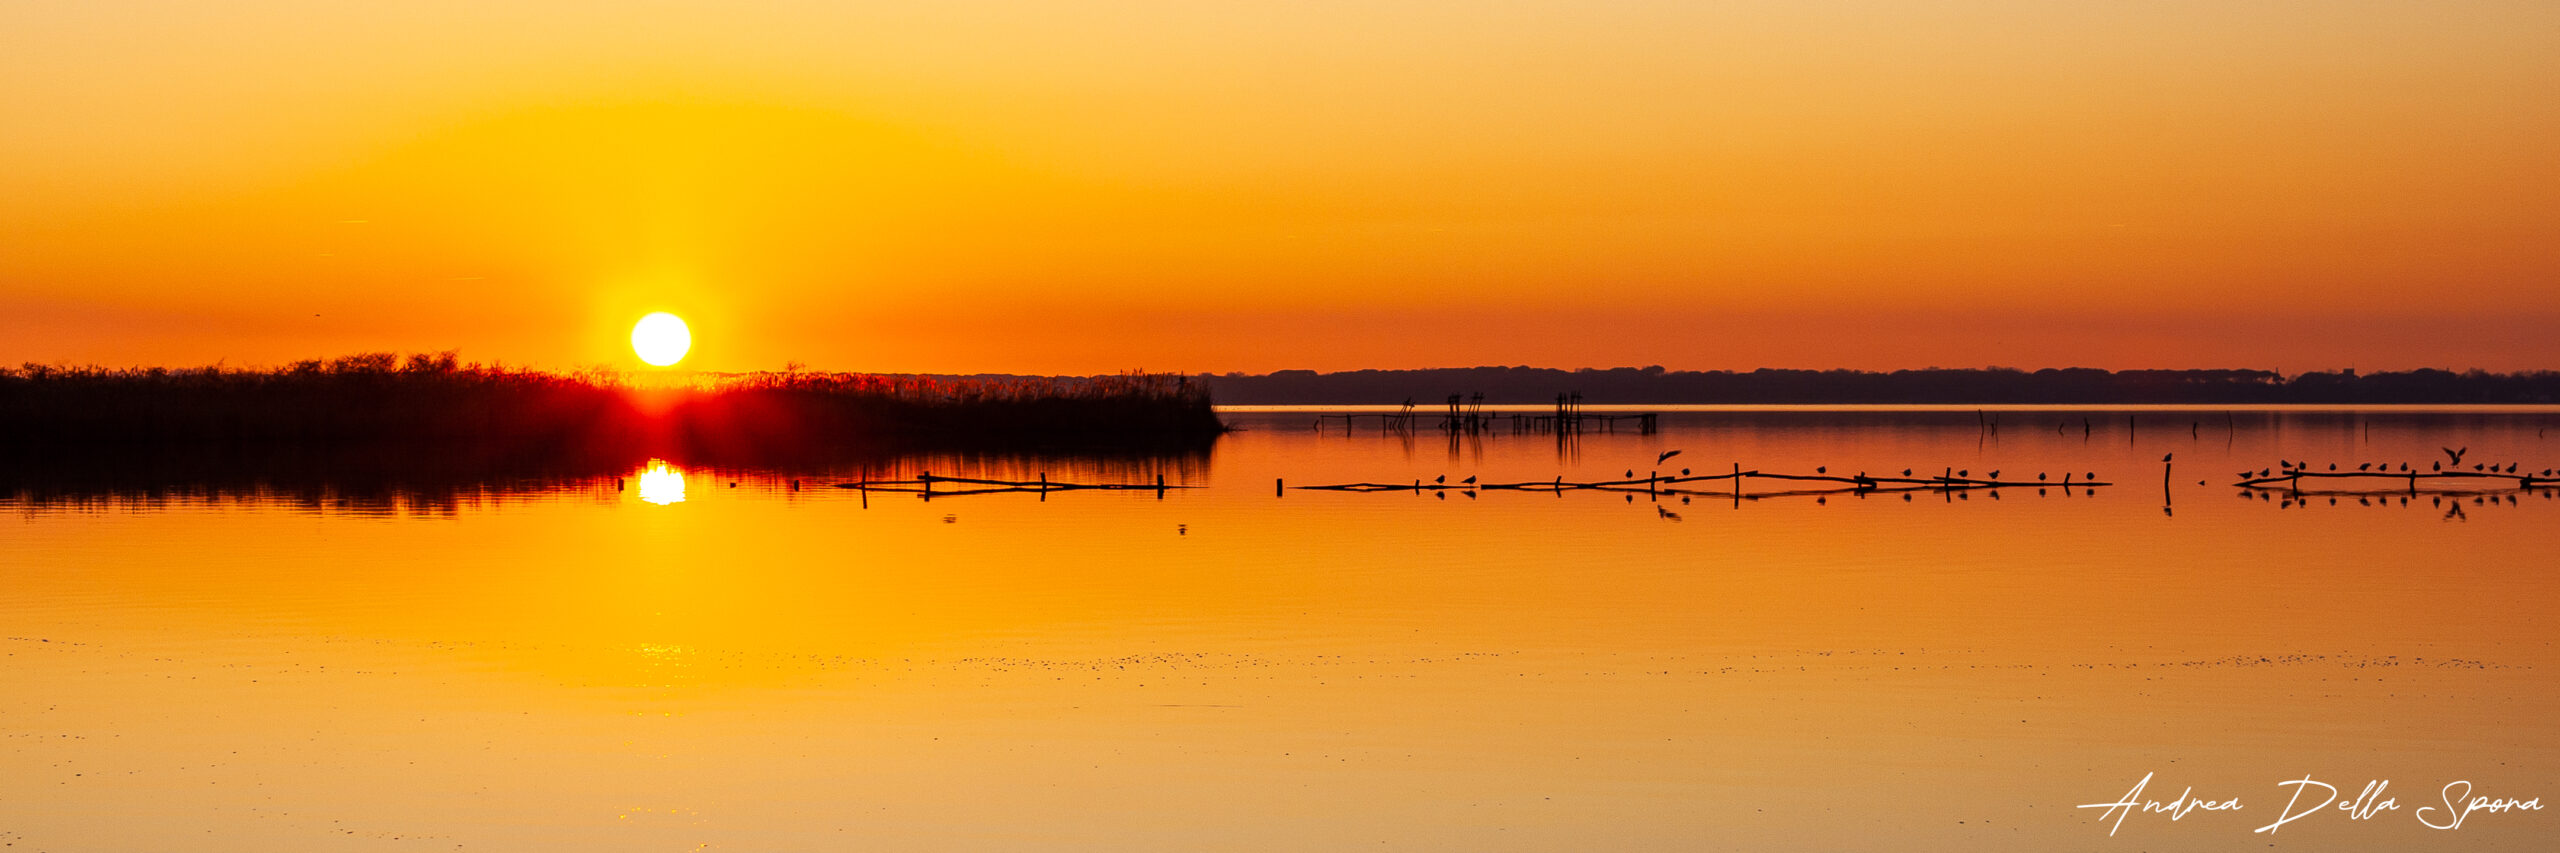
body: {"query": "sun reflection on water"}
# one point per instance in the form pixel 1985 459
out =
pixel 661 484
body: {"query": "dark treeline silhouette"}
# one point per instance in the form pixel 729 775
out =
pixel 434 400
pixel 1935 385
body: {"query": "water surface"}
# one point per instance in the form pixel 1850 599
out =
pixel 761 661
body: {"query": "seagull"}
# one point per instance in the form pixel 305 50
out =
pixel 2456 454
pixel 1665 455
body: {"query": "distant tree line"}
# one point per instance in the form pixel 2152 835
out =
pixel 2076 385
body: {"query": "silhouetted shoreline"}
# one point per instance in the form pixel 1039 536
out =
pixel 434 401
pixel 2065 386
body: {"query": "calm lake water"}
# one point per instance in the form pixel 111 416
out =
pixel 682 658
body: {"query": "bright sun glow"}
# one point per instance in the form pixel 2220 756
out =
pixel 661 339
pixel 660 484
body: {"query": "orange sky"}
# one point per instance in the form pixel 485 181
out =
pixel 976 185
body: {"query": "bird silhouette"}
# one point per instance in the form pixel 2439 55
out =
pixel 1821 469
pixel 2039 476
pixel 2365 467
pixel 1631 473
pixel 2456 454
pixel 1442 479
pixel 2435 466
pixel 1906 472
pixel 1665 455
pixel 2333 466
pixel 2404 466
pixel 1469 481
pixel 1964 473
pixel 2511 467
pixel 1684 472
pixel 1995 474
pixel 2262 472
pixel 2165 456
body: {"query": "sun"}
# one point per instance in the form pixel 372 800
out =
pixel 661 339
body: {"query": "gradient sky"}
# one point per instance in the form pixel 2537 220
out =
pixel 985 185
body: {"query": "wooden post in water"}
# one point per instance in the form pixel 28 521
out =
pixel 1279 488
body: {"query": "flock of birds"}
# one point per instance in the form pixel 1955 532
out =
pixel 2454 455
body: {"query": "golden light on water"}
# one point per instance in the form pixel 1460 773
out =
pixel 661 339
pixel 660 484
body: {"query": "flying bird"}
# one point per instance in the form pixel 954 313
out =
pixel 2456 454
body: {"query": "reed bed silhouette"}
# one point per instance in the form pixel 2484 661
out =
pixel 436 399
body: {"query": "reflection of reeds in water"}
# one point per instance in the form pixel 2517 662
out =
pixel 381 432
pixel 435 398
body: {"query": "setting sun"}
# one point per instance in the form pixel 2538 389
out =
pixel 661 339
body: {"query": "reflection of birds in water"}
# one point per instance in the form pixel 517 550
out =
pixel 1665 455
pixel 1664 514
